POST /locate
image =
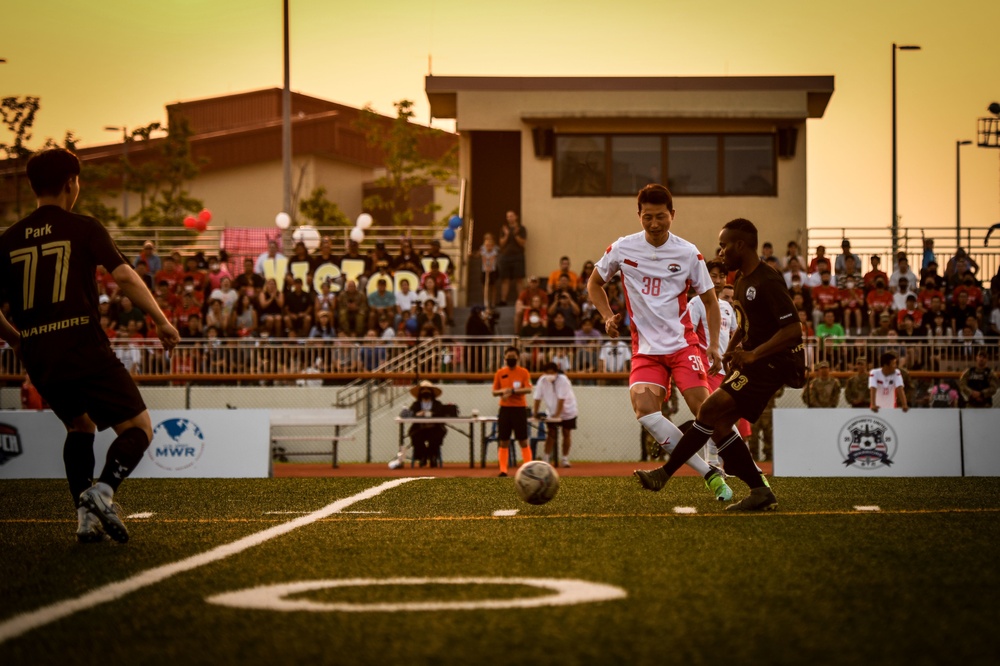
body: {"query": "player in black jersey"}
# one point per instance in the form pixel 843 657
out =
pixel 765 353
pixel 48 263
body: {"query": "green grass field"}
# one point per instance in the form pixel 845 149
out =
pixel 815 582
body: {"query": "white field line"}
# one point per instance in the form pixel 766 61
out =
pixel 501 513
pixel 144 514
pixel 25 622
pixel 685 509
pixel 872 507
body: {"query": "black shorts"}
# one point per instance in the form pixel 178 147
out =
pixel 108 396
pixel 512 419
pixel 567 424
pixel 511 266
pixel 752 387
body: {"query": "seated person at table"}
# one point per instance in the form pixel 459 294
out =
pixel 427 438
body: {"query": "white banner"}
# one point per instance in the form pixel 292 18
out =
pixel 198 443
pixel 981 438
pixel 862 443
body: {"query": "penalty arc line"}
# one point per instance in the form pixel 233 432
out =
pixel 20 624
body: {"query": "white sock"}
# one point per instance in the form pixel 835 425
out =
pixel 547 458
pixel 667 434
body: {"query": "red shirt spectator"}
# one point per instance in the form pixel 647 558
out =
pixel 170 274
pixel 826 297
pixel 974 292
pixel 927 294
pixel 880 300
pixel 912 310
pixel 185 311
pixel 852 298
pixel 105 283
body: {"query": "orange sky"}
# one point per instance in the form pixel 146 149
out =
pixel 117 62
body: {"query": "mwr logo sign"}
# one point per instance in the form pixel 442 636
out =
pixel 177 444
pixel 10 443
pixel 867 442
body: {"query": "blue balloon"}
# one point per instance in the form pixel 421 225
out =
pixel 455 222
pixel 449 234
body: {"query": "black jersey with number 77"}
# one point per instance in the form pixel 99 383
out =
pixel 48 265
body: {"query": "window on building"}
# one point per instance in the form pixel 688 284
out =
pixel 694 164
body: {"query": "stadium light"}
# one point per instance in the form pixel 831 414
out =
pixel 958 191
pixel 124 130
pixel 895 207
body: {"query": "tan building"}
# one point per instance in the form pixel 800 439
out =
pixel 569 154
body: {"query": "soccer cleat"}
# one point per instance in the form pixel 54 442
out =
pixel 502 474
pixel 654 479
pixel 106 512
pixel 89 529
pixel 764 479
pixel 759 499
pixel 565 462
pixel 717 484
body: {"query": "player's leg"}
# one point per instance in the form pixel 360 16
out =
pixel 504 430
pixel 550 443
pixel 78 458
pixel 567 436
pixel 520 427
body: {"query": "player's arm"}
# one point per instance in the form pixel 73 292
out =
pixel 871 402
pixel 780 341
pixel 901 398
pixel 132 286
pixel 599 297
pixel 714 317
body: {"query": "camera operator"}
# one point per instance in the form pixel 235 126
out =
pixel 563 300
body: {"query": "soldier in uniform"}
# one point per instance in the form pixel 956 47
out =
pixel 979 383
pixel 822 390
pixel 856 390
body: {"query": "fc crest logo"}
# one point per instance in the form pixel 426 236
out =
pixel 10 443
pixel 751 293
pixel 867 442
pixel 673 268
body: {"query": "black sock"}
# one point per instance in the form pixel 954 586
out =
pixel 123 456
pixel 689 445
pixel 739 462
pixel 78 456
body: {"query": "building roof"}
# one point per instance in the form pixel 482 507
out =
pixel 442 91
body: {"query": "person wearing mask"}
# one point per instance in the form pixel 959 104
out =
pixel 427 438
pixel 555 391
pixel 511 383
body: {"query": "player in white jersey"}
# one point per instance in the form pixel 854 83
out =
pixel 656 269
pixel 885 384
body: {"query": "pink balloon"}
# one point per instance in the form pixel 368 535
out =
pixel 205 216
pixel 190 222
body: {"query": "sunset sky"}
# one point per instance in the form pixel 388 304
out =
pixel 115 62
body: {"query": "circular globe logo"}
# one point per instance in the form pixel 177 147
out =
pixel 177 444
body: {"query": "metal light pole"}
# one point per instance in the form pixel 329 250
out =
pixel 286 126
pixel 124 130
pixel 958 192
pixel 895 206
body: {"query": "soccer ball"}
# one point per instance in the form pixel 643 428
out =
pixel 536 482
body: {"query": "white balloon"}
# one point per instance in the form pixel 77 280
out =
pixel 283 220
pixel 365 221
pixel 357 234
pixel 308 235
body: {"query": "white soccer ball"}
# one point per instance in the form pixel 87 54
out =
pixel 537 482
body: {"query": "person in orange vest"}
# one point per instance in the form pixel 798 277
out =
pixel 511 383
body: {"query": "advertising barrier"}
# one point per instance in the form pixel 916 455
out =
pixel 200 443
pixel 981 441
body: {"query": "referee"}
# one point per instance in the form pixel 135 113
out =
pixel 765 354
pixel 511 383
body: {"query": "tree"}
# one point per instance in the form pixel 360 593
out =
pixel 91 199
pixel 18 116
pixel 407 167
pixel 321 211
pixel 162 183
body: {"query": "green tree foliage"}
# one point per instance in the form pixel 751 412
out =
pixel 407 168
pixel 321 211
pixel 162 182
pixel 18 116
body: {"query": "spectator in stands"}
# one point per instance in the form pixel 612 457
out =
pixel 942 394
pixel 766 251
pixel 912 310
pixel 128 312
pixel 381 302
pixel 874 274
pixel 407 259
pixel 215 317
pixel 300 264
pixel 794 272
pixel 559 327
pixel 216 271
pixel 534 327
pixel 616 299
pixel 193 329
pixel 820 256
pixel 323 328
pixel 170 274
pixel 489 256
pixel 142 270
pixel 539 305
pixel 432 292
pixel 961 311
pixel 588 346
pixel 994 329
pixel 829 328
pixel 352 311
pixel 971 332
pixel 821 390
pixel 615 356
pixel 355 266
pixel 386 331
pixel 925 298
pixel 970 286
pixel 815 278
pixel 297 310
pixel 852 305
pixel 513 241
pixel 524 300
pixel 902 272
pixel 267 263
pixel 939 327
pixel 243 321
pixel 825 298
pixel 793 251
pixel 928 255
pixel 270 306
pixel 324 301
pixel 435 253
pixel 979 383
pixel 324 255
pixel 958 264
pixel 840 265
pixel 773 263
pixel 581 283
pixel 807 329
pixel 442 285
pixel 480 322
pixel 197 276
pixel 382 272
pixel 187 309
pixel 563 301
pixel 226 295
pixel 563 270
pixel 406 299
pixel 430 315
pixel 856 392
pixel 372 354
pixel 851 272
pixel 884 327
pixel 248 282
pixel 901 293
pixel 379 255
pixel 148 255
pixel 879 302
pixel 427 438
